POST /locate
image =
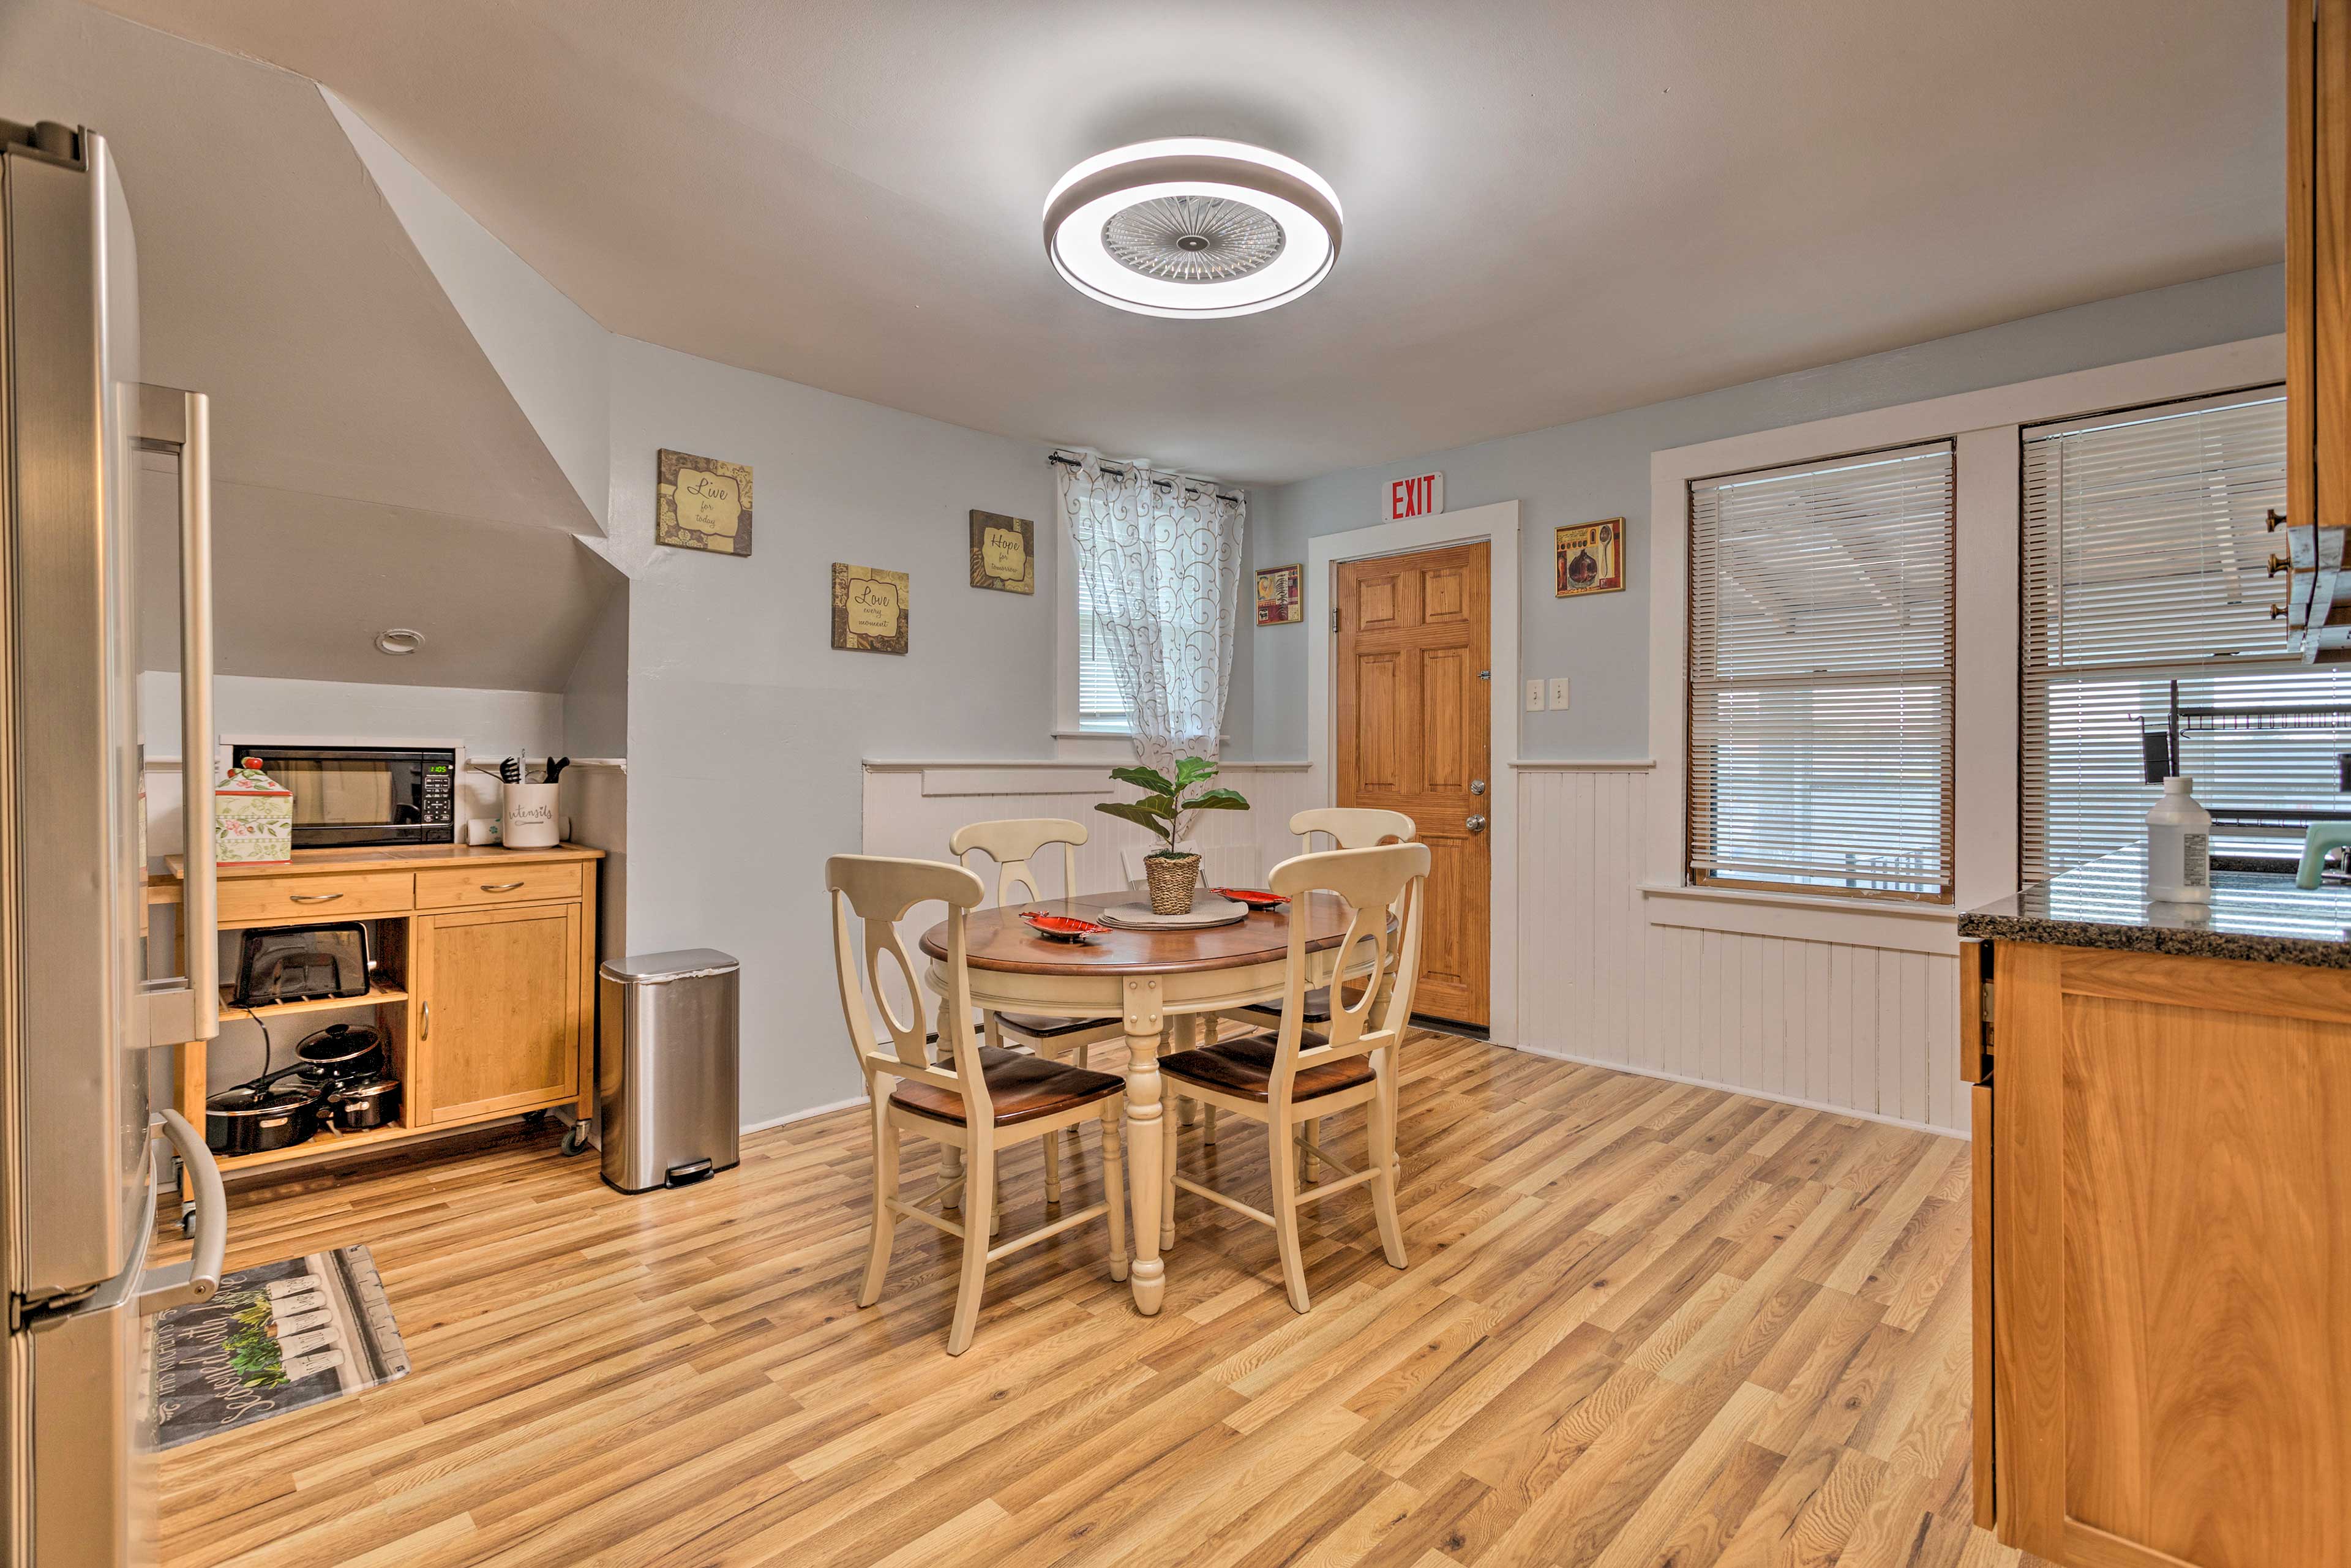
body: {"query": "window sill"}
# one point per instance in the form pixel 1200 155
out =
pixel 1902 927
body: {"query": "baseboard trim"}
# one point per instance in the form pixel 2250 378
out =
pixel 1958 1133
pixel 790 1117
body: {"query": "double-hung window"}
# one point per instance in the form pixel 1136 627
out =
pixel 1099 704
pixel 1820 676
pixel 2146 561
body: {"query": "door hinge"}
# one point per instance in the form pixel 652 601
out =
pixel 1334 619
pixel 1485 674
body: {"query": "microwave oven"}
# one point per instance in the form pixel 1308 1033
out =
pixel 348 796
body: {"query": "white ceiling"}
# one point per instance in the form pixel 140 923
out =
pixel 1554 207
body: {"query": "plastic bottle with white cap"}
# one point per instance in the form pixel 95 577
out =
pixel 2179 846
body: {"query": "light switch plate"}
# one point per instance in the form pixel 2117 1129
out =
pixel 1534 697
pixel 1559 693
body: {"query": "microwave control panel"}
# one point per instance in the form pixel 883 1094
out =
pixel 440 786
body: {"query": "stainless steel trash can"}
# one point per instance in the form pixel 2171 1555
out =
pixel 668 1067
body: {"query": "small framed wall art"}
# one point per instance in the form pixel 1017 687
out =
pixel 869 610
pixel 1003 553
pixel 1590 557
pixel 1280 595
pixel 700 503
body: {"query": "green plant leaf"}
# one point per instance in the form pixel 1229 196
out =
pixel 1194 771
pixel 1217 800
pixel 1144 778
pixel 1129 811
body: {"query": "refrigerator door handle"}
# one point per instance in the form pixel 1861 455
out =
pixel 177 1284
pixel 179 423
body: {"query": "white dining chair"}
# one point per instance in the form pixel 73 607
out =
pixel 1301 1075
pixel 1347 828
pixel 974 1097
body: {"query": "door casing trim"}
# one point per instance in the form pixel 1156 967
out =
pixel 1498 525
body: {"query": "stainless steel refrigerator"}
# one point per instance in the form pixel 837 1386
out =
pixel 81 1021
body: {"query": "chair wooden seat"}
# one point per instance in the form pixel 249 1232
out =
pixel 1040 1026
pixel 1020 1088
pixel 1245 1067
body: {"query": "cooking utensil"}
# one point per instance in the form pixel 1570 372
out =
pixel 556 766
pixel 510 770
pixel 1059 928
pixel 252 1119
pixel 1255 897
pixel 363 1106
pixel 343 1053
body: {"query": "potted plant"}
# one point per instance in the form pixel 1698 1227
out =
pixel 1168 809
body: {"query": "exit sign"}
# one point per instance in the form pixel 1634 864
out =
pixel 1422 496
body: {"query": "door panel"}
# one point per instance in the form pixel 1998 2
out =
pixel 502 988
pixel 1412 707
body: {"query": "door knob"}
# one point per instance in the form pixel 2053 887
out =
pixel 1475 824
pixel 1477 786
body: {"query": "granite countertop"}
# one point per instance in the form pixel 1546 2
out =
pixel 2254 915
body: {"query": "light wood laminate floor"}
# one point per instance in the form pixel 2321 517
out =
pixel 1645 1325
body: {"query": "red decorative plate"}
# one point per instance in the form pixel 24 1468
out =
pixel 1255 897
pixel 1060 927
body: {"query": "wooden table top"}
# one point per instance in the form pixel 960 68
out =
pixel 996 939
pixel 393 857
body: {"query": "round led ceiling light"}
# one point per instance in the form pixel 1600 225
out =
pixel 1191 227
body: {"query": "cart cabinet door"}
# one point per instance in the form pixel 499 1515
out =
pixel 497 1014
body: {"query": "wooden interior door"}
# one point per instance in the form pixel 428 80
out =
pixel 498 1010
pixel 1414 736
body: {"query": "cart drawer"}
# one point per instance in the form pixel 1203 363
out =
pixel 273 900
pixel 471 887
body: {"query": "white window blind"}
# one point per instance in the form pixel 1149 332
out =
pixel 2146 559
pixel 1100 703
pixel 1820 677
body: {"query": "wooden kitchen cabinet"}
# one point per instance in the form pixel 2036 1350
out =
pixel 498 1005
pixel 485 984
pixel 2162 1228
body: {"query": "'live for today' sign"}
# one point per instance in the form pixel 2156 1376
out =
pixel 1422 496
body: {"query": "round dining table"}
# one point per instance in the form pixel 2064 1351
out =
pixel 1154 982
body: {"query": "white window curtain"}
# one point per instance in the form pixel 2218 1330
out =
pixel 2147 561
pixel 1820 676
pixel 1158 558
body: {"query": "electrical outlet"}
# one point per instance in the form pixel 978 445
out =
pixel 1559 693
pixel 1534 697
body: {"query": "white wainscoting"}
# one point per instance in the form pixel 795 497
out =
pixel 1836 1024
pixel 913 809
pixel 1844 1025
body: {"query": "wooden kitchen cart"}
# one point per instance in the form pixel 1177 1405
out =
pixel 484 979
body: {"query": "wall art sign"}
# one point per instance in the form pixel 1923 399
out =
pixel 700 503
pixel 1003 553
pixel 1281 595
pixel 1590 557
pixel 868 609
pixel 1422 496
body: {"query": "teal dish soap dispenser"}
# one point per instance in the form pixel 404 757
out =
pixel 2179 846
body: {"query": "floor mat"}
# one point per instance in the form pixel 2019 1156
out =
pixel 275 1338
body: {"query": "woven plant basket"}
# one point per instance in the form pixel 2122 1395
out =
pixel 1172 879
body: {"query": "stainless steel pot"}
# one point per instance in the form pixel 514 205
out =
pixel 343 1053
pixel 365 1106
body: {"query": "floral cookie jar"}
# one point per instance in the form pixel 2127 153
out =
pixel 252 817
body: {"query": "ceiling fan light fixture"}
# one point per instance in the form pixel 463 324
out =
pixel 1191 227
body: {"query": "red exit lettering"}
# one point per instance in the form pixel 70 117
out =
pixel 1421 495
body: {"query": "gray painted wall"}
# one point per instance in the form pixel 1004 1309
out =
pixel 746 729
pixel 1600 469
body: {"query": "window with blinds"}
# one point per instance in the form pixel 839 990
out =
pixel 1099 704
pixel 2145 557
pixel 1820 677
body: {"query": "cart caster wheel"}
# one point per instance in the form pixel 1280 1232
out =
pixel 576 1139
pixel 188 1223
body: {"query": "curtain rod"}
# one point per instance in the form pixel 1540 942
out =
pixel 1121 472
